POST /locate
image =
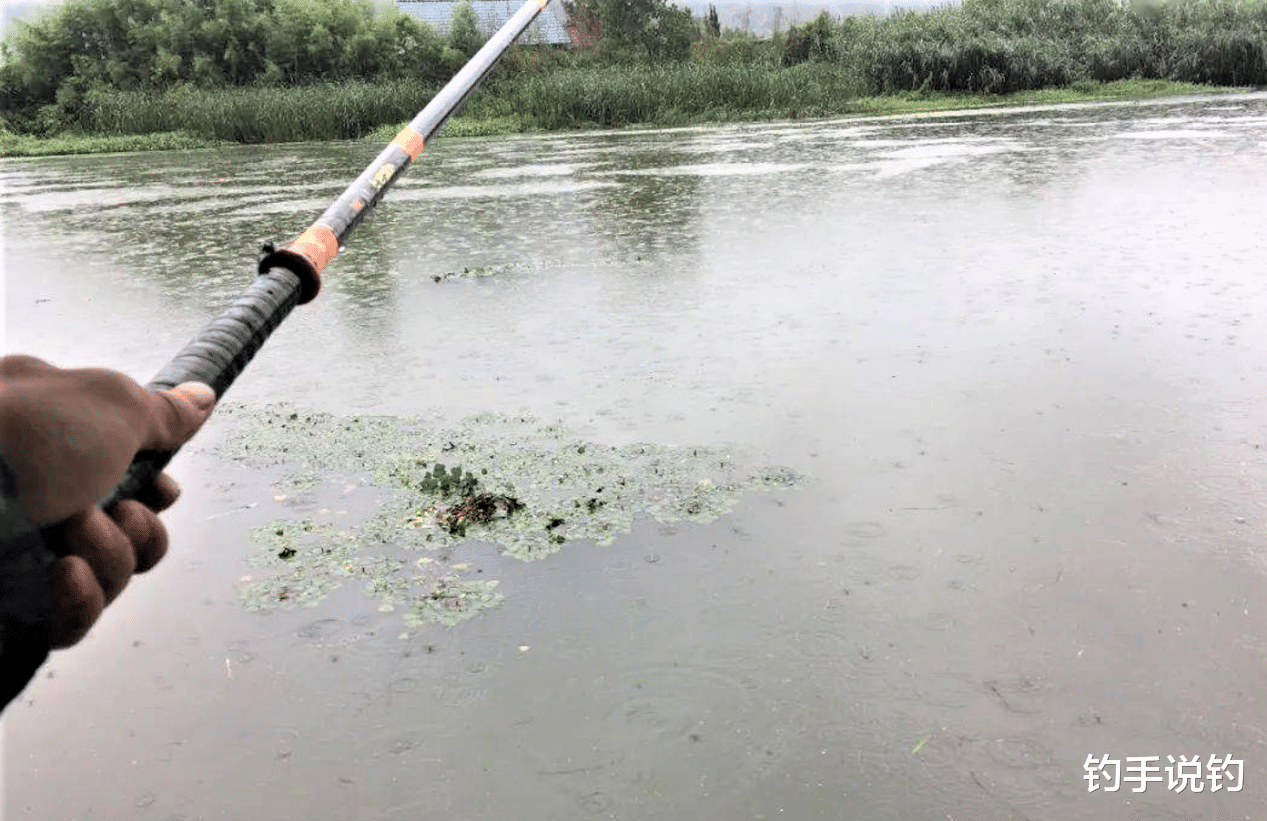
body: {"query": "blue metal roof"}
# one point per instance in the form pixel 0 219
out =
pixel 549 27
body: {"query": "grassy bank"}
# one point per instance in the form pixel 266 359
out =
pixel 570 99
pixel 24 145
pixel 690 94
pixel 967 54
pixel 491 123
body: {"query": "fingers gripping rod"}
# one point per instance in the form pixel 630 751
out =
pixel 288 277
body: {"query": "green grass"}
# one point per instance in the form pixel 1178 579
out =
pixel 613 110
pixel 570 99
pixel 970 54
pixel 331 111
pixel 21 145
pixel 1084 92
pixel 963 55
pixel 463 126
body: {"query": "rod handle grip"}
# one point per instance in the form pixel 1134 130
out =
pixel 216 356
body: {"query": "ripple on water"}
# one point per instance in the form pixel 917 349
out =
pixel 544 170
pixel 823 645
pixel 1223 486
pixel 320 629
pixel 455 690
pixel 857 534
pixel 668 728
pixel 722 169
pixel 239 651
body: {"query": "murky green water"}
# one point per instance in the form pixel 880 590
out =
pixel 1018 355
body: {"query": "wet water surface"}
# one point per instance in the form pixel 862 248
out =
pixel 1017 356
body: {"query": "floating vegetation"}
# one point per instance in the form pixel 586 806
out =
pixel 479 272
pixel 25 145
pixel 471 505
pixel 512 481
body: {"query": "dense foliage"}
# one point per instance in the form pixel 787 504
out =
pixel 54 68
pixel 465 34
pixel 650 29
pixel 289 69
pixel 999 46
pixel 1003 46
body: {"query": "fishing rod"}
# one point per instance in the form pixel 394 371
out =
pixel 287 277
pixel 291 276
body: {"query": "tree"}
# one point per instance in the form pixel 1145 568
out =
pixel 714 24
pixel 663 30
pixel 53 66
pixel 671 34
pixel 409 47
pixel 464 33
pixel 812 41
pixel 584 22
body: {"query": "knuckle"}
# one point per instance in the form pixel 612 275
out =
pixel 17 365
pixel 77 600
pixel 146 536
pixel 105 544
pixel 110 385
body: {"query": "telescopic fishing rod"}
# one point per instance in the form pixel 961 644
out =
pixel 288 277
pixel 291 276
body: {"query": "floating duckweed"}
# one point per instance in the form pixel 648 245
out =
pixel 779 477
pixel 479 272
pixel 453 601
pixel 524 486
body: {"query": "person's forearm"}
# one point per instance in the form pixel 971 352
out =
pixel 25 598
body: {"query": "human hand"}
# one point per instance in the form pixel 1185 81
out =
pixel 68 437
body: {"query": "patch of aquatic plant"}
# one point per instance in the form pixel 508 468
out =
pixel 478 272
pixel 512 481
pixel 468 503
pixel 463 125
pixel 21 145
pixel 302 562
pixel 913 102
pixel 467 126
pixel 453 600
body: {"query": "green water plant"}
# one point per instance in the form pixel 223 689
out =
pixel 468 503
pixel 528 487
pixel 448 482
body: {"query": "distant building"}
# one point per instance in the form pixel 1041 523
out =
pixel 550 27
pixel 763 18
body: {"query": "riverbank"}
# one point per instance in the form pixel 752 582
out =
pixel 550 107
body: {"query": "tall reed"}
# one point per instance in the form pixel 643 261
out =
pixel 998 46
pixel 321 112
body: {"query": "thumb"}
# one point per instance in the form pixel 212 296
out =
pixel 202 396
pixel 177 414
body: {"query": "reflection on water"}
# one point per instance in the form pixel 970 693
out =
pixel 1019 354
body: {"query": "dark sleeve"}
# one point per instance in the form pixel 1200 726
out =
pixel 25 599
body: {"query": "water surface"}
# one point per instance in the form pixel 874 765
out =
pixel 1019 354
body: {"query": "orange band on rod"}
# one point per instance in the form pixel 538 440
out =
pixel 318 244
pixel 411 141
pixel 541 4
